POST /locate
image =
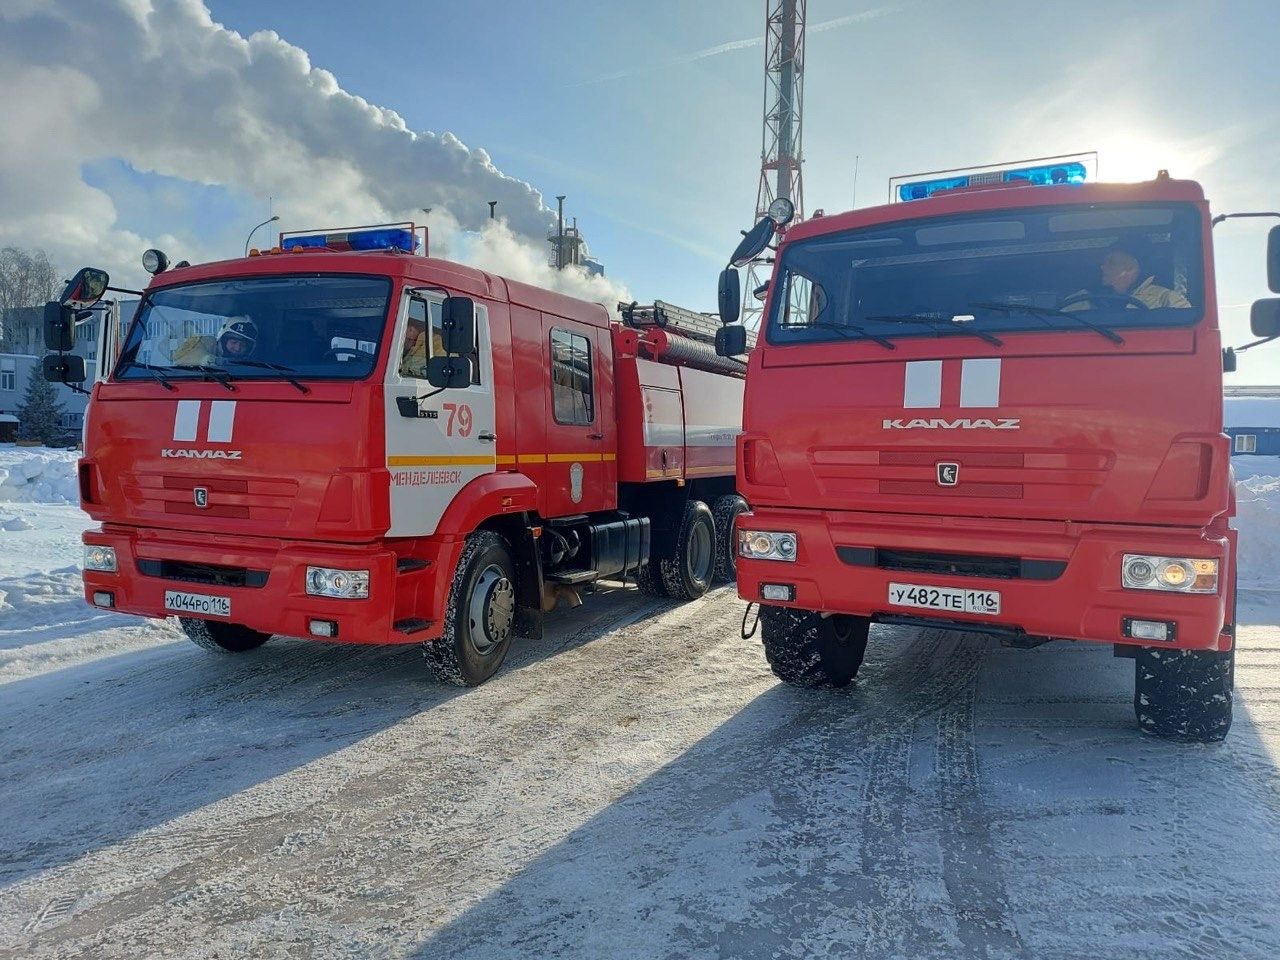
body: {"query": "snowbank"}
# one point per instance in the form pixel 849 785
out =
pixel 37 475
pixel 1258 518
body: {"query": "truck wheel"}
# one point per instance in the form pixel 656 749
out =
pixel 480 614
pixel 222 637
pixel 724 510
pixel 650 579
pixel 687 575
pixel 806 649
pixel 1184 694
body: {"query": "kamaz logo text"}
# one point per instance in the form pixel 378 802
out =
pixel 190 454
pixel 962 423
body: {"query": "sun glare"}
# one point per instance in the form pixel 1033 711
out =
pixel 1130 158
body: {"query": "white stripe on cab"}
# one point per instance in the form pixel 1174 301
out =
pixel 186 419
pixel 923 384
pixel 980 383
pixel 222 419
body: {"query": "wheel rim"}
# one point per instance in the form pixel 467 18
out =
pixel 492 609
pixel 701 552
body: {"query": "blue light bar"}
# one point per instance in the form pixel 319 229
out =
pixel 1047 174
pixel 382 239
pixel 379 239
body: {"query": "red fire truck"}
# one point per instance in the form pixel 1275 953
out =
pixel 995 404
pixel 343 439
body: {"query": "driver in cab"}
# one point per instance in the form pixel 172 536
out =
pixel 236 340
pixel 1122 282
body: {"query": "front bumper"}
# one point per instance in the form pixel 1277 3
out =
pixel 280 605
pixel 1083 602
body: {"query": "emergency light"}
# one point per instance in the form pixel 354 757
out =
pixel 1046 171
pixel 379 238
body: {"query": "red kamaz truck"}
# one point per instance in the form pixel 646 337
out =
pixel 996 405
pixel 343 439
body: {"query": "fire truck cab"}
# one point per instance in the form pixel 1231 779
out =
pixel 342 439
pixel 995 404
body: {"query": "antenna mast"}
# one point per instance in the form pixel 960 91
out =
pixel 781 154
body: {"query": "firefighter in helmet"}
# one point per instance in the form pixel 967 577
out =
pixel 237 339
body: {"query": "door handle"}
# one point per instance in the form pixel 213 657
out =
pixel 595 436
pixel 487 437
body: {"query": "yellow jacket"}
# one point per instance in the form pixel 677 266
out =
pixel 1148 292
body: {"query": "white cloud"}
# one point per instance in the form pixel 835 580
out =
pixel 165 88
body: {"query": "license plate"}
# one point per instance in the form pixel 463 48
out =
pixel 949 599
pixel 201 603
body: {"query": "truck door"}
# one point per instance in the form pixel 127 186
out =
pixel 575 473
pixel 435 446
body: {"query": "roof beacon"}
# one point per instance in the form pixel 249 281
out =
pixel 1045 171
pixel 392 236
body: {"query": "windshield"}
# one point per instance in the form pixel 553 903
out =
pixel 1099 268
pixel 325 327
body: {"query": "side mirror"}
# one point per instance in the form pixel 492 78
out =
pixel 458 315
pixel 1264 318
pixel 85 288
pixel 731 340
pixel 449 373
pixel 408 406
pixel 59 327
pixel 1273 259
pixel 730 296
pixel 753 243
pixel 64 368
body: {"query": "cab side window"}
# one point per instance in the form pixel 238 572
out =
pixel 424 339
pixel 572 390
pixel 416 352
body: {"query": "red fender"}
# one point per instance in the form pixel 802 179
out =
pixel 492 495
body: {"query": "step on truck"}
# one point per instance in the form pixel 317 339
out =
pixel 343 438
pixel 995 404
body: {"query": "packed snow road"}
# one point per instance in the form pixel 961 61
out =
pixel 636 784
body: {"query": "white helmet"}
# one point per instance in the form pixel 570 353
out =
pixel 240 329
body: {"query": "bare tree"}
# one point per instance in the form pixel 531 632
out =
pixel 27 278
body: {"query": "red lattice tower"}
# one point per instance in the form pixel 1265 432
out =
pixel 781 155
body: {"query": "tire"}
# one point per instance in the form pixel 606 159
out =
pixel 1184 694
pixel 805 649
pixel 723 511
pixel 222 637
pixel 650 579
pixel 479 615
pixel 687 575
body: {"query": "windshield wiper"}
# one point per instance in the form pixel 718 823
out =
pixel 850 331
pixel 217 374
pixel 155 372
pixel 1044 312
pixel 284 371
pixel 938 324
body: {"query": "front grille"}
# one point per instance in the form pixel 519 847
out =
pixel 930 488
pixel 207 573
pixel 953 564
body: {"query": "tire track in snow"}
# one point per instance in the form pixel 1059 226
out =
pixel 182 857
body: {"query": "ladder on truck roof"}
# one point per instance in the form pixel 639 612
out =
pixel 667 316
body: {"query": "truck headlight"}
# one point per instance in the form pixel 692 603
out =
pixel 102 559
pixel 762 545
pixel 344 584
pixel 1142 571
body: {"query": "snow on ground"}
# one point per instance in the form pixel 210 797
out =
pixel 636 784
pixel 1258 518
pixel 37 474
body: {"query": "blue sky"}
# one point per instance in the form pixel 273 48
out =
pixel 660 164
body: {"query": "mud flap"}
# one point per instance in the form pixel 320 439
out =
pixel 529 582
